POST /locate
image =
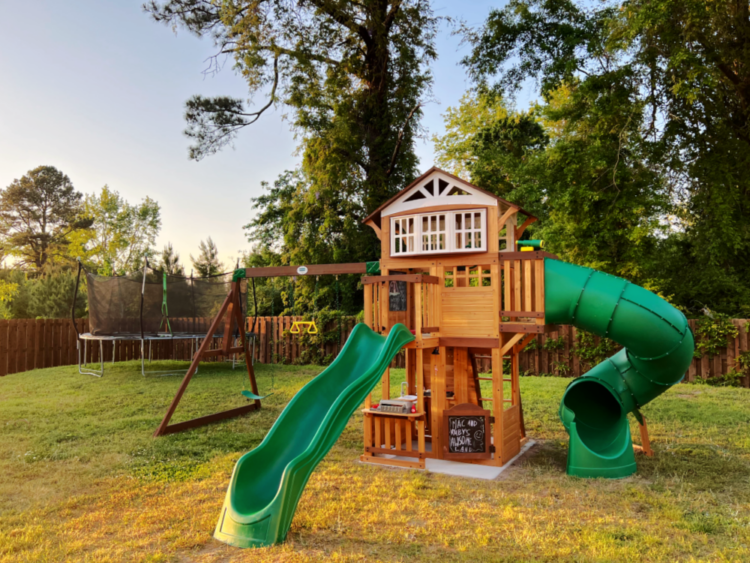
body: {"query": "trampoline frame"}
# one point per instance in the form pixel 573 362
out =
pixel 195 343
pixel 86 337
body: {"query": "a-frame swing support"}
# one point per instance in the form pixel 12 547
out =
pixel 230 311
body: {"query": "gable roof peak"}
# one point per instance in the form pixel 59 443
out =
pixel 423 192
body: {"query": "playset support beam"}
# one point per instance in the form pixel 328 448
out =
pixel 311 270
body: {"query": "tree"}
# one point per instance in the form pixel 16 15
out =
pixel 597 203
pixel 170 261
pixel 51 296
pixel 38 213
pixel 207 263
pixel 8 291
pixel 16 305
pixel 675 88
pixel 354 76
pixel 455 150
pixel 122 235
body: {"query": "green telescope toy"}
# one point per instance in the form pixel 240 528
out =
pixel 531 243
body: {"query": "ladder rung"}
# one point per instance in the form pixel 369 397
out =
pixel 483 399
pixel 484 378
pixel 508 380
pixel 507 400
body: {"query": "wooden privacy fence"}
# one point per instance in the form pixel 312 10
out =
pixel 558 357
pixel 27 344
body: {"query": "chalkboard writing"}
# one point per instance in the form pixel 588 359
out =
pixel 466 432
pixel 397 296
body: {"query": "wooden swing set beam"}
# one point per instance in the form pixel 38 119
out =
pixel 312 270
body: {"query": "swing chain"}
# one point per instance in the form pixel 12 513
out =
pixel 315 295
pixel 338 314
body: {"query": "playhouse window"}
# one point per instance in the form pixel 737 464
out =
pixel 403 235
pixel 433 233
pixel 454 231
pixel 468 231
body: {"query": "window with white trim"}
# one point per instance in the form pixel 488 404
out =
pixel 432 233
pixel 403 235
pixel 468 229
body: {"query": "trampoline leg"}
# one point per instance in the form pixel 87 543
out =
pixel 114 350
pixel 82 362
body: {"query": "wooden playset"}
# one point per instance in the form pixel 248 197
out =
pixel 451 272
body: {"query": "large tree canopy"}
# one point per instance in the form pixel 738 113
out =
pixel 353 77
pixel 37 215
pixel 352 72
pixel 660 91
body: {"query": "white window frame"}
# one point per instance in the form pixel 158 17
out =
pixel 449 233
pixel 404 238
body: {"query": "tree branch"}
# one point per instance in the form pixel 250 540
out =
pixel 344 19
pixel 400 139
pixel 284 51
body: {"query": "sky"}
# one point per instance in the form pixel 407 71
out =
pixel 97 89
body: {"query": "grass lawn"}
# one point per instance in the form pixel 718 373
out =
pixel 81 479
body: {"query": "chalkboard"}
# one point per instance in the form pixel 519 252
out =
pixel 397 296
pixel 467 432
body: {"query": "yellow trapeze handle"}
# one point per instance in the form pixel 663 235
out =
pixel 298 325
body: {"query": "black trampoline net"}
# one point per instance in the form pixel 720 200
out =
pixel 181 306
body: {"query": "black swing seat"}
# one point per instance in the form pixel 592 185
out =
pixel 252 396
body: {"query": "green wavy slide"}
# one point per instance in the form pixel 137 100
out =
pixel 268 481
pixel 658 349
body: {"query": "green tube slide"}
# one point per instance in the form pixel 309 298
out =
pixel 267 482
pixel 658 349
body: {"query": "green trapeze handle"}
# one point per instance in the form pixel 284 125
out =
pixel 164 308
pixel 254 397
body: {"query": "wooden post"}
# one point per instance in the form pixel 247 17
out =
pixel 368 305
pixel 461 375
pixel 439 401
pixel 497 404
pixel 645 440
pixel 419 368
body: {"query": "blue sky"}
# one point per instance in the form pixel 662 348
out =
pixel 97 89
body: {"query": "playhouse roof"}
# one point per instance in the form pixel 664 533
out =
pixel 463 184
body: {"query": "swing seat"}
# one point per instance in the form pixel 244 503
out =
pixel 252 396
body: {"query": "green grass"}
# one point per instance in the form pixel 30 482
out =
pixel 81 479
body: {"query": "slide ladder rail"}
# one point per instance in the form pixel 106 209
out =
pixel 268 482
pixel 658 348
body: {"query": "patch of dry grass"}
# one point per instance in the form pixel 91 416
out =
pixel 689 503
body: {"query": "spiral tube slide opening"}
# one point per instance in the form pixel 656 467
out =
pixel 658 349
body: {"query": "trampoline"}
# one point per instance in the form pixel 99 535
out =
pixel 151 306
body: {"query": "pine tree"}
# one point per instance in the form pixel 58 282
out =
pixel 207 263
pixel 38 213
pixel 170 261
